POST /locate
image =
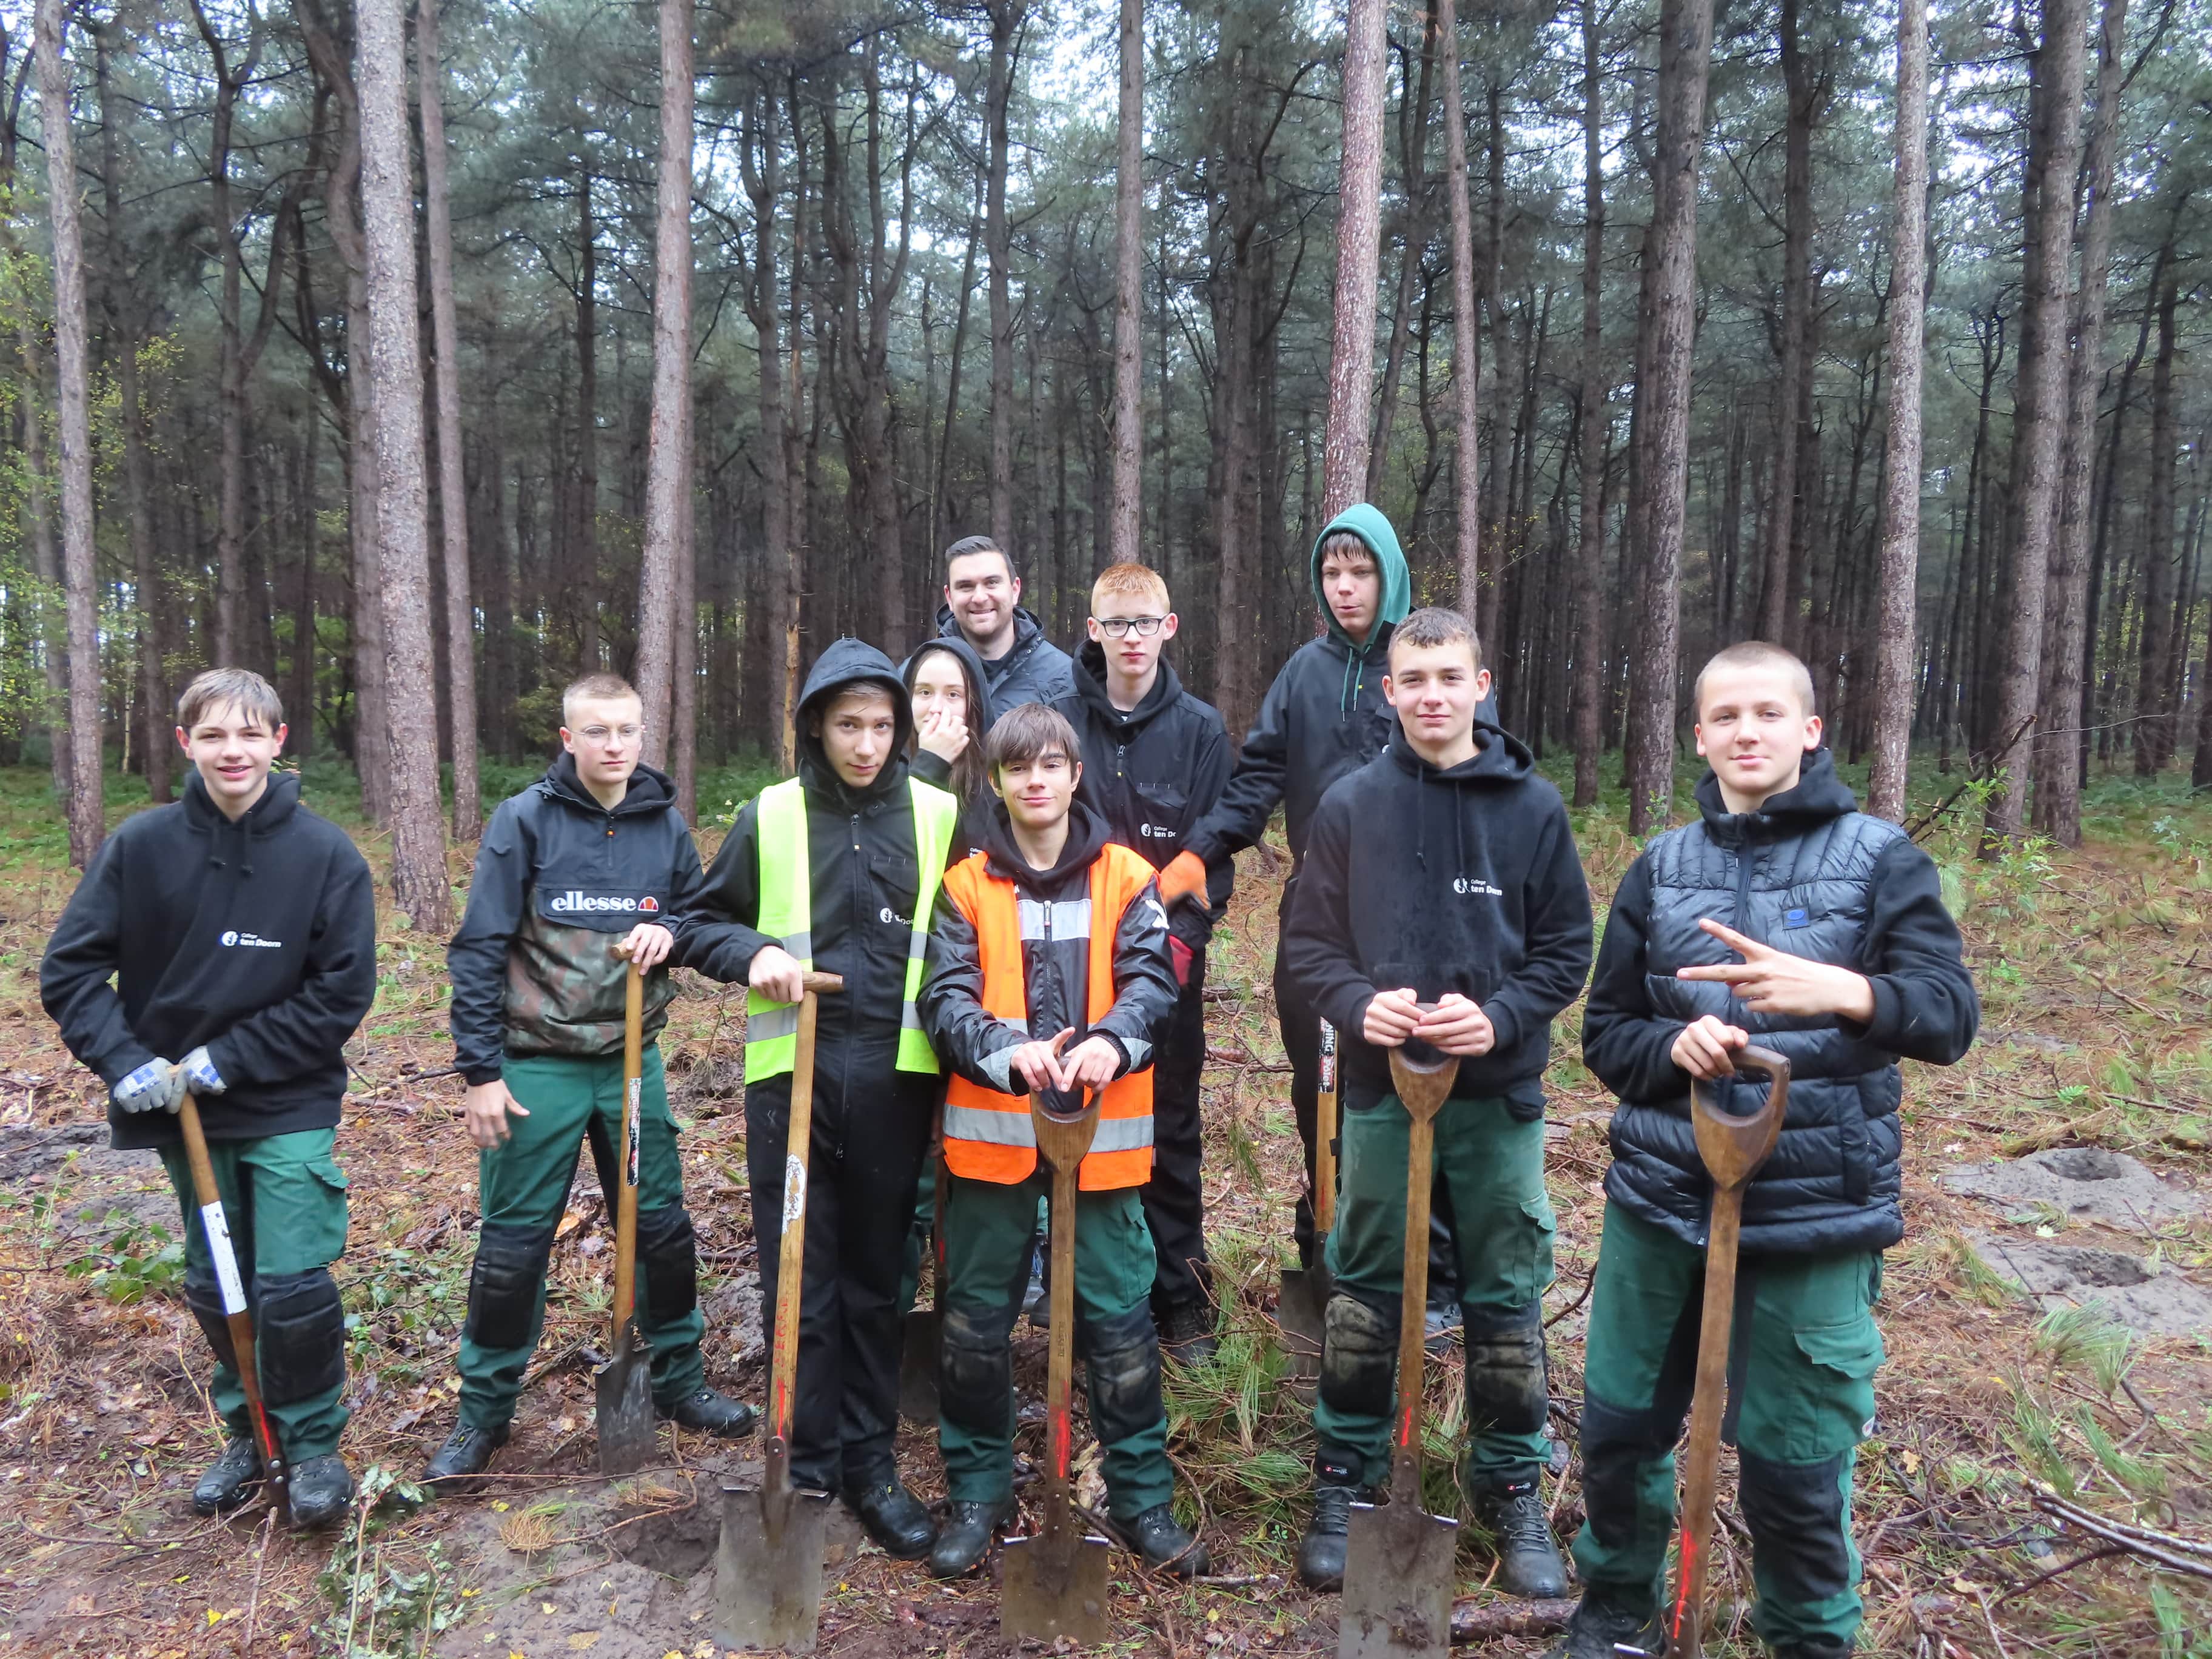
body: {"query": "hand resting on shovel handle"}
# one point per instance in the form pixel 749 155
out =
pixel 1044 1067
pixel 1771 981
pixel 1453 1024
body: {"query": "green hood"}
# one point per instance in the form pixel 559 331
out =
pixel 1371 527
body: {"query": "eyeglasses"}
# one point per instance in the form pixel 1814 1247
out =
pixel 1120 627
pixel 626 734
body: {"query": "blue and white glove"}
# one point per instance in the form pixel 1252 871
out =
pixel 157 1087
pixel 199 1073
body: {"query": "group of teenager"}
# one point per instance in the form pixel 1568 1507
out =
pixel 1014 860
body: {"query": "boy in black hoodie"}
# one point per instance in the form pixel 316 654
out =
pixel 837 871
pixel 1155 759
pixel 1441 903
pixel 1786 917
pixel 580 874
pixel 241 931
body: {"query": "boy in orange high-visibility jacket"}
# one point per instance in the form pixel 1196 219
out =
pixel 1048 972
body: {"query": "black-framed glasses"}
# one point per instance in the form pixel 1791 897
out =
pixel 1120 627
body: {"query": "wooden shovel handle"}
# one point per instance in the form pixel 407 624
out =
pixel 791 1260
pixel 1732 1147
pixel 1061 1143
pixel 626 1158
pixel 1324 1192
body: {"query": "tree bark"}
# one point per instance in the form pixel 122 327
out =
pixel 667 546
pixel 1466 347
pixel 1006 18
pixel 1592 431
pixel 452 483
pixel 763 303
pixel 2155 659
pixel 1415 247
pixel 420 886
pixel 584 545
pixel 1900 546
pixel 1358 249
pixel 1806 93
pixel 1125 507
pixel 2040 413
pixel 1685 54
pixel 87 816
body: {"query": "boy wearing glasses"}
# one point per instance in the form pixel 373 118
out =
pixel 585 870
pixel 1155 760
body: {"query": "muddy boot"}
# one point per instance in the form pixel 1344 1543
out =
pixel 1165 1547
pixel 1511 1509
pixel 1820 1647
pixel 1610 1624
pixel 1336 1489
pixel 965 1538
pixel 1186 1333
pixel 453 1468
pixel 322 1487
pixel 223 1488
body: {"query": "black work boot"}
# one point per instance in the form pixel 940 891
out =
pixel 321 1488
pixel 1511 1509
pixel 894 1516
pixel 1819 1647
pixel 1186 1333
pixel 710 1412
pixel 1609 1623
pixel 1165 1546
pixel 965 1537
pixel 223 1488
pixel 1336 1489
pixel 453 1468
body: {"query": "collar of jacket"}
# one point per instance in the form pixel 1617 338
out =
pixel 651 789
pixel 1818 796
pixel 1091 686
pixel 276 807
pixel 1028 631
pixel 1086 835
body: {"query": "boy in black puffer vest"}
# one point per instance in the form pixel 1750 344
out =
pixel 1788 918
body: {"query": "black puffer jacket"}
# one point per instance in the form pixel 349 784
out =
pixel 864 876
pixel 1034 669
pixel 1809 874
pixel 1153 773
pixel 559 879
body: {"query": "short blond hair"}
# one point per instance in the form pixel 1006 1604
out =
pixel 1756 653
pixel 1130 581
pixel 222 688
pixel 601 687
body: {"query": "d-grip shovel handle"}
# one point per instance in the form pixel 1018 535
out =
pixel 1422 1087
pixel 791 1260
pixel 1733 1148
pixel 1062 1143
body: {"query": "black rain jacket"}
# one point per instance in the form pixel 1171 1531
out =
pixel 1034 669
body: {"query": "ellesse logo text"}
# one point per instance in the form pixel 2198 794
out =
pixel 573 901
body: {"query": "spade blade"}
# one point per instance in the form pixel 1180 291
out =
pixel 1055 1586
pixel 768 1569
pixel 628 1436
pixel 1397 1583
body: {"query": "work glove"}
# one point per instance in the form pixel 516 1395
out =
pixel 1183 877
pixel 199 1073
pixel 157 1087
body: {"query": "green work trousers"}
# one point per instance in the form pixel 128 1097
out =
pixel 990 1231
pixel 523 1187
pixel 1492 1165
pixel 1803 1353
pixel 284 1203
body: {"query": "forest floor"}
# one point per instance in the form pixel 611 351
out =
pixel 2095 966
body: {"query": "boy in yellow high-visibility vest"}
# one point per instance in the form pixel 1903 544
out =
pixel 836 871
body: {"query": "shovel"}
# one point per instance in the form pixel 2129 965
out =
pixel 1732 1148
pixel 768 1568
pixel 920 1329
pixel 236 1312
pixel 628 1436
pixel 1055 1582
pixel 1398 1557
pixel 1302 1307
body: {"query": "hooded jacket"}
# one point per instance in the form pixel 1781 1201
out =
pixel 559 879
pixel 976 811
pixel 1809 874
pixel 864 875
pixel 1463 880
pixel 257 938
pixel 1324 716
pixel 1034 669
pixel 1056 971
pixel 1153 773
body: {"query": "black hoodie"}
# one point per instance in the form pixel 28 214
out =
pixel 976 811
pixel 257 938
pixel 559 879
pixel 1463 880
pixel 1152 772
pixel 865 877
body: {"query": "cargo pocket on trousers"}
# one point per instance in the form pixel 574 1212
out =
pixel 1542 1229
pixel 1838 1410
pixel 322 1231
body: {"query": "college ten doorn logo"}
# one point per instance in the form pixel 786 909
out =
pixel 252 941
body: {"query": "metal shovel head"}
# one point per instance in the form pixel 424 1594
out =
pixel 918 1341
pixel 1397 1583
pixel 1055 1586
pixel 768 1569
pixel 628 1437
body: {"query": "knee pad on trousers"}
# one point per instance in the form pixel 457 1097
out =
pixel 1616 1444
pixel 504 1284
pixel 1507 1385
pixel 1124 1362
pixel 1359 1357
pixel 203 1295
pixel 1796 1514
pixel 300 1336
pixel 975 1368
pixel 668 1248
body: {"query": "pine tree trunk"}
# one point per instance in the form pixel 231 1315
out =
pixel 87 817
pixel 2040 414
pixel 1359 250
pixel 763 304
pixel 2153 712
pixel 667 547
pixel 584 531
pixel 1414 246
pixel 1466 347
pixel 46 562
pixel 1805 95
pixel 420 886
pixel 1006 18
pixel 1125 507
pixel 1685 53
pixel 1900 546
pixel 1592 432
pixel 452 484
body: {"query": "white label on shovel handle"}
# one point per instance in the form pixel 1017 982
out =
pixel 226 1260
pixel 794 1191
pixel 636 1110
pixel 1327 1055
